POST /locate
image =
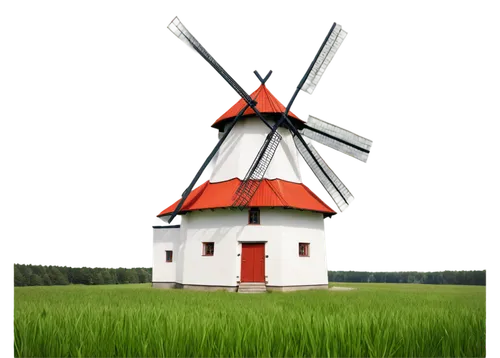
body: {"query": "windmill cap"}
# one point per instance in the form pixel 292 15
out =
pixel 267 102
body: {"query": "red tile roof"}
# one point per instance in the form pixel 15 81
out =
pixel 266 103
pixel 271 193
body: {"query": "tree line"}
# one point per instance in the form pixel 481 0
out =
pixel 442 277
pixel 37 275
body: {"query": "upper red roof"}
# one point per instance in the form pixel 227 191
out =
pixel 266 103
pixel 271 193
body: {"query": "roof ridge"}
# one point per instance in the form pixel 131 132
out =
pixel 190 201
pixel 275 104
pixel 277 192
pixel 314 195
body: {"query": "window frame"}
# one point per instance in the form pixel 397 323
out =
pixel 205 246
pixel 307 251
pixel 171 256
pixel 250 212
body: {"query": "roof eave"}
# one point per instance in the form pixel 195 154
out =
pixel 219 124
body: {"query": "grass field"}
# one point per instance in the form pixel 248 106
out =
pixel 376 320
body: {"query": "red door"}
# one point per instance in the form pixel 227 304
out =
pixel 253 262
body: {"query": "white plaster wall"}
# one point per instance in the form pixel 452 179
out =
pixel 179 274
pixel 281 229
pixel 241 146
pixel 219 227
pixel 210 167
pixel 165 239
pixel 304 227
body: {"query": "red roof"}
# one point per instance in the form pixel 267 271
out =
pixel 266 103
pixel 271 193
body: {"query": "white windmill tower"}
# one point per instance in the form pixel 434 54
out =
pixel 254 225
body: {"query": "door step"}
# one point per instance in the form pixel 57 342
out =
pixel 252 287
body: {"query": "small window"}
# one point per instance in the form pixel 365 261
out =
pixel 169 255
pixel 303 249
pixel 208 249
pixel 254 216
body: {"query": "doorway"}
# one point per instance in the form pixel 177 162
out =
pixel 253 262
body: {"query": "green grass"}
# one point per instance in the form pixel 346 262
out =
pixel 376 320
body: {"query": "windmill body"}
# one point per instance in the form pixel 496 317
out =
pixel 265 254
pixel 277 242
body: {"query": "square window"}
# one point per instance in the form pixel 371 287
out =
pixel 303 249
pixel 208 249
pixel 254 216
pixel 169 255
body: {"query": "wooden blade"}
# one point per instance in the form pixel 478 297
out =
pixel 333 185
pixel 337 138
pixel 179 30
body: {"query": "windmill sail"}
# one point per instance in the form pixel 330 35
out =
pixel 333 42
pixel 337 138
pixel 333 185
pixel 323 57
pixel 179 30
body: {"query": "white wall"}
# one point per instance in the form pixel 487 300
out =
pixel 281 229
pixel 165 239
pixel 304 227
pixel 220 227
pixel 241 146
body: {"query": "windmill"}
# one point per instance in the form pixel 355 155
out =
pixel 315 129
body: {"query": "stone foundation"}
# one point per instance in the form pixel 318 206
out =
pixel 297 288
pixel 170 285
pixel 194 287
pixel 164 285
